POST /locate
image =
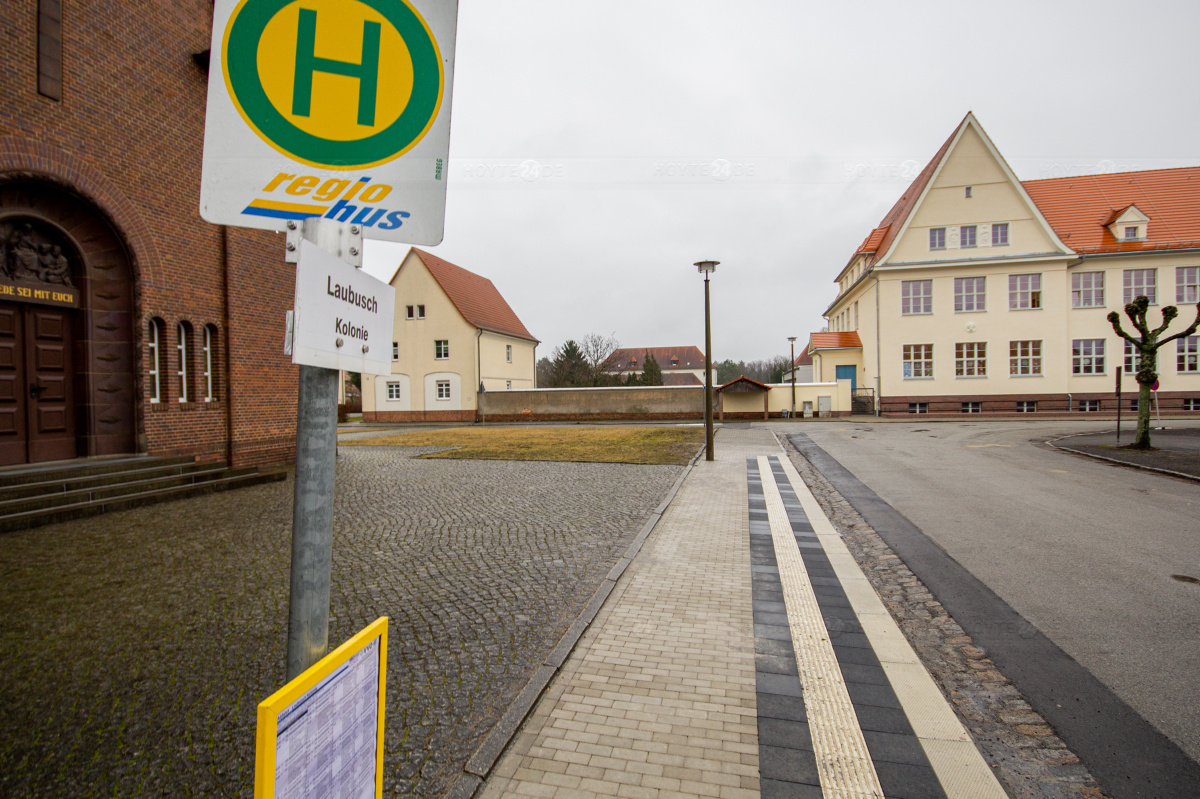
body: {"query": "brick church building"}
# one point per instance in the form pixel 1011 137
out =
pixel 127 323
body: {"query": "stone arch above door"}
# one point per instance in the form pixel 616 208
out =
pixel 55 239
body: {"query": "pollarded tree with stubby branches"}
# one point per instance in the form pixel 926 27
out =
pixel 1147 349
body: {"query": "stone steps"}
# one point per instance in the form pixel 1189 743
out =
pixel 33 496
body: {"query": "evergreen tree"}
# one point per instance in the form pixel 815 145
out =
pixel 651 371
pixel 569 368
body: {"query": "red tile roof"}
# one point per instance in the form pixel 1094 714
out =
pixel 1079 208
pixel 871 242
pixel 833 341
pixel 475 297
pixel 681 379
pixel 804 358
pixel 748 381
pixel 684 357
pixel 893 220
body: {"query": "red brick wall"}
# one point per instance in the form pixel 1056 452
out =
pixel 128 136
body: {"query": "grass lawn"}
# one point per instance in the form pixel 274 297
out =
pixel 578 444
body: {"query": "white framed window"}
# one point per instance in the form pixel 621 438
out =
pixel 443 389
pixel 1140 282
pixel 1024 292
pixel 182 348
pixel 508 385
pixel 1089 406
pixel 441 349
pixel 916 297
pixel 1131 232
pixel 1024 358
pixel 1187 284
pixel 970 359
pixel 395 350
pixel 1187 354
pixel 508 353
pixel 966 235
pixel 393 391
pixel 972 407
pixel 967 192
pixel 408 312
pixel 937 238
pixel 918 407
pixel 1026 406
pixel 210 343
pixel 420 311
pixel 1087 356
pixel 1191 404
pixel 1087 290
pixel 154 357
pixel 918 361
pixel 1000 234
pixel 1133 358
pixel 1133 403
pixel 969 294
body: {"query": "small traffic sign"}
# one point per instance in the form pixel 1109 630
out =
pixel 1155 386
pixel 337 109
pixel 343 317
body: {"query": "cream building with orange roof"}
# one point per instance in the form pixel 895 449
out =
pixel 979 293
pixel 453 331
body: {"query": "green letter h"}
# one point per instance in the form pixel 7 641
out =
pixel 307 63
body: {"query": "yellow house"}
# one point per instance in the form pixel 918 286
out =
pixel 979 293
pixel 453 332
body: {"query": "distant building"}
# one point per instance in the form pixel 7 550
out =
pixel 453 331
pixel 981 293
pixel 681 366
pixel 803 367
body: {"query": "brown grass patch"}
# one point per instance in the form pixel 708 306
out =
pixel 653 445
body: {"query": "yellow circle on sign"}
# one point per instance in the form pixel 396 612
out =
pixel 333 111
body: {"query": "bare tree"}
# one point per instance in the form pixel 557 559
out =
pixel 598 352
pixel 1147 346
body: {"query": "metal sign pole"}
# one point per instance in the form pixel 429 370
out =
pixel 316 458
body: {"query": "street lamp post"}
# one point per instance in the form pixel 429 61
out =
pixel 792 339
pixel 706 268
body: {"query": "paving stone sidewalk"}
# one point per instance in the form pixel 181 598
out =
pixel 694 682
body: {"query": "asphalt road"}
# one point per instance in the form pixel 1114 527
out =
pixel 1084 551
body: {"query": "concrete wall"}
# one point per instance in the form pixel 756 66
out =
pixel 581 404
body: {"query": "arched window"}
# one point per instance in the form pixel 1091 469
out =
pixel 210 363
pixel 183 333
pixel 154 340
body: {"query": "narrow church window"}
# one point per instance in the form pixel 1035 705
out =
pixel 49 49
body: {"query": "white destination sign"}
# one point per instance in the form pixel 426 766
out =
pixel 343 315
pixel 334 109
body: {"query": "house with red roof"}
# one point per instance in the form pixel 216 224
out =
pixel 453 332
pixel 981 293
pixel 681 366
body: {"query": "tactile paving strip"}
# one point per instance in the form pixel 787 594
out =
pixel 843 761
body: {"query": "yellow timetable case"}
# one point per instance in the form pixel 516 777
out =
pixel 322 733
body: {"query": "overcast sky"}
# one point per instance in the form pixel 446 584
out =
pixel 597 150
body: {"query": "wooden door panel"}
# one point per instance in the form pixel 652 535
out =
pixel 51 416
pixel 13 391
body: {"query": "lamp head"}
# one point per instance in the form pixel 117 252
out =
pixel 792 339
pixel 707 266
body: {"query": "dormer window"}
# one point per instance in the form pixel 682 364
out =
pixel 1129 224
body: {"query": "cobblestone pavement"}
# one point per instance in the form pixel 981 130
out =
pixel 136 646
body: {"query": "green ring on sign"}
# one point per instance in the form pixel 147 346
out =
pixel 240 57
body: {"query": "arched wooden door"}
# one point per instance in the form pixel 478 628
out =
pixel 67 350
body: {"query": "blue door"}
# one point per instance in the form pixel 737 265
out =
pixel 848 372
